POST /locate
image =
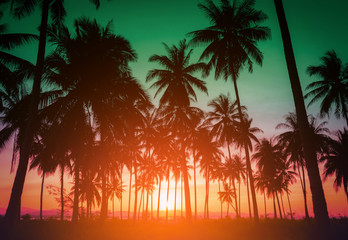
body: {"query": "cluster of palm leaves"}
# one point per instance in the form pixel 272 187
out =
pixel 92 118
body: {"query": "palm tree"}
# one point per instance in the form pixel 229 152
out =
pixel 115 189
pixel 21 8
pixel 116 94
pixel 227 196
pixel 290 142
pixel 208 154
pixel 332 87
pixel 177 82
pixel 336 161
pixel 232 42
pixel 318 196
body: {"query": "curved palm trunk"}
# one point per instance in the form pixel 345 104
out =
pixel 130 191
pixel 41 193
pixel 247 156
pixel 62 193
pixel 13 211
pixel 318 196
pixel 159 199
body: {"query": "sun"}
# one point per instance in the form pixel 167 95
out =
pixel 171 200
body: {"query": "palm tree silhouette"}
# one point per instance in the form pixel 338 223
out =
pixel 332 86
pixel 115 189
pixel 336 161
pixel 227 196
pixel 231 43
pixel 318 196
pixel 177 82
pixel 20 9
pixel 290 142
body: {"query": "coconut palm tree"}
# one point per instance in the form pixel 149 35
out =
pixel 208 154
pixel 227 196
pixel 232 37
pixel 318 196
pixel 290 142
pixel 115 189
pixel 57 12
pixel 332 87
pixel 177 82
pixel 336 161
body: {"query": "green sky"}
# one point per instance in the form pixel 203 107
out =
pixel 316 26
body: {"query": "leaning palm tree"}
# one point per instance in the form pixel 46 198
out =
pixel 332 87
pixel 336 161
pixel 318 196
pixel 20 9
pixel 236 28
pixel 178 83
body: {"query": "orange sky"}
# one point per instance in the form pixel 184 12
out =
pixel 337 202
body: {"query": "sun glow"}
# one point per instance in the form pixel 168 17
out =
pixel 171 200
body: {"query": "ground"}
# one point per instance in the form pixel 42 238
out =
pixel 210 229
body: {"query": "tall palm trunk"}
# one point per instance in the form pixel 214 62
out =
pixel 121 192
pixel 194 184
pixel 113 206
pixel 220 201
pixel 130 191
pixel 318 196
pixel 159 198
pixel 304 189
pixel 282 202
pixel 13 211
pixel 292 216
pixel 187 190
pixel 62 193
pixel 182 198
pixel 141 198
pixel 41 193
pixel 168 177
pixel 75 213
pixel 274 207
pixel 247 156
pixel 207 192
pixel 176 183
pixel 239 194
pixel 248 194
pixel 280 210
pixel 135 191
pixel 264 201
pixel 147 205
pixel 235 198
pixel 104 199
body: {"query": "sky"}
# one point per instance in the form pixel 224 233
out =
pixel 316 26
